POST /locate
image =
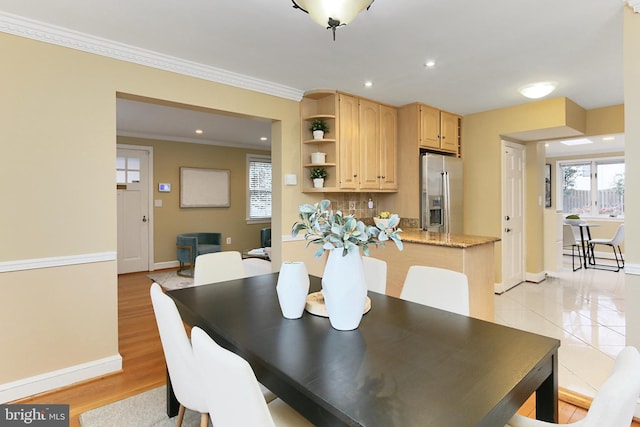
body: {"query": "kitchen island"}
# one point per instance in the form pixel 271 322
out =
pixel 471 255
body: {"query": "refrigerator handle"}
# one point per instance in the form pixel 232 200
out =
pixel 447 206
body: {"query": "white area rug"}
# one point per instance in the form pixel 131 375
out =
pixel 148 409
pixel 170 280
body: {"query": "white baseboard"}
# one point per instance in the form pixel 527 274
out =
pixel 61 378
pixel 166 264
pixel 535 277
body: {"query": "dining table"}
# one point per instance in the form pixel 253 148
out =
pixel 406 364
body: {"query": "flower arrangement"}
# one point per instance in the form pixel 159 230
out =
pixel 318 173
pixel 333 230
pixel 385 215
pixel 319 124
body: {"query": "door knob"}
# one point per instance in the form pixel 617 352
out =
pixel 144 218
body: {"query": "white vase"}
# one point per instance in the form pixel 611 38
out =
pixel 292 289
pixel 344 289
pixel 318 182
pixel 318 134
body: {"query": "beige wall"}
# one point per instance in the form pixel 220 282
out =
pixel 57 127
pixel 170 219
pixel 483 132
pixel 632 152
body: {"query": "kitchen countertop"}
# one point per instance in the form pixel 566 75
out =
pixel 416 235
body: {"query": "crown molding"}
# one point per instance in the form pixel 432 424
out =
pixel 634 4
pixel 36 30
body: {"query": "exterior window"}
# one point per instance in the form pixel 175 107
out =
pixel 593 188
pixel 259 191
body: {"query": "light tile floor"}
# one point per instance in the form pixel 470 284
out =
pixel 584 309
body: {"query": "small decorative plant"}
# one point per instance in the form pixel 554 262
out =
pixel 385 215
pixel 318 173
pixel 333 230
pixel 573 216
pixel 319 124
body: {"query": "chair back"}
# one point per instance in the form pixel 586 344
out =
pixel 619 236
pixel 218 267
pixel 178 353
pixel 257 266
pixel 265 237
pixel 375 274
pixel 437 287
pixel 568 236
pixel 232 394
pixel 615 402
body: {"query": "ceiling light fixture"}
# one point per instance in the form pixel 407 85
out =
pixel 199 131
pixel 538 90
pixel 368 84
pixel 332 13
pixel 430 64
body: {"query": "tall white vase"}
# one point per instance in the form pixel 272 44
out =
pixel 292 289
pixel 344 289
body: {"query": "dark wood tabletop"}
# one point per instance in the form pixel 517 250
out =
pixel 406 365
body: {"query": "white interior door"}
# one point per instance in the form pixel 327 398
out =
pixel 132 171
pixel 513 271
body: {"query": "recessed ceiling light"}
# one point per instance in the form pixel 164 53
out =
pixel 538 90
pixel 430 64
pixel 263 138
pixel 580 141
pixel 608 138
pixel 199 131
pixel 368 83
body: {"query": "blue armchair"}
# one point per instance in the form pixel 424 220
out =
pixel 190 245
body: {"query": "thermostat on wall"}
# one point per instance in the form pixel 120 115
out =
pixel 164 188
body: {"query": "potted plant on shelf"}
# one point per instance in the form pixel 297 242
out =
pixel 318 175
pixel 343 285
pixel 319 127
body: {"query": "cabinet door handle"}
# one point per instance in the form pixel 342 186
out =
pixel 355 175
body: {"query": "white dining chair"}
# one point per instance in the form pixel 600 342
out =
pixel 218 267
pixel 437 287
pixel 185 379
pixel 569 239
pixel 615 401
pixel 233 395
pixel 614 242
pixel 375 274
pixel 256 266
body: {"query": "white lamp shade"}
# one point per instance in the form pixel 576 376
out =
pixel 343 10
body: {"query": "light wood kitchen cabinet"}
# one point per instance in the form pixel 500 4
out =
pixel 361 146
pixel 431 128
pixel 388 148
pixel 369 139
pixel 319 105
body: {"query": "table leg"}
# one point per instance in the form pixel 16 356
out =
pixel 585 246
pixel 547 395
pixel 592 255
pixel 172 403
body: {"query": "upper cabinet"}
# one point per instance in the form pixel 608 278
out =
pixel 321 105
pixel 431 128
pixel 361 154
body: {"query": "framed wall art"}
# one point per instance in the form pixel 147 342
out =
pixel 204 188
pixel 547 185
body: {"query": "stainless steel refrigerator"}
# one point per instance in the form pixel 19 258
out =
pixel 441 193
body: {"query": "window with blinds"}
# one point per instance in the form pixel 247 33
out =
pixel 259 194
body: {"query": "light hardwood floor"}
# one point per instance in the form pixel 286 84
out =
pixel 143 360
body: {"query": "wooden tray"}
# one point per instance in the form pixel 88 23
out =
pixel 315 304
